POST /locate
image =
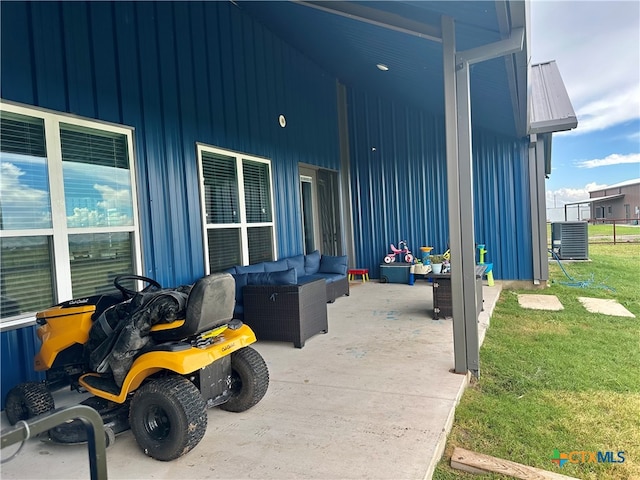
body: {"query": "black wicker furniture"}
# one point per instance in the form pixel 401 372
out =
pixel 442 298
pixel 287 313
pixel 287 299
pixel 307 268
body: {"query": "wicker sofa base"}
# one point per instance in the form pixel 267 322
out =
pixel 287 313
pixel 337 289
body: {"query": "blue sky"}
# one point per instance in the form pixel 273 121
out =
pixel 596 46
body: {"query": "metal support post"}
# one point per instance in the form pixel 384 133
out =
pixel 459 177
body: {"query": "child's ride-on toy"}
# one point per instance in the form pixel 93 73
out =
pixel 403 251
pixel 176 368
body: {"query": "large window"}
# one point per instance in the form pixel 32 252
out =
pixel 68 222
pixel 237 208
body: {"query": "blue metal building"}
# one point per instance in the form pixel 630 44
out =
pixel 344 102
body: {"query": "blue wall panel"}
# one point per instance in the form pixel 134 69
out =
pixel 178 73
pixel 18 349
pixel 399 187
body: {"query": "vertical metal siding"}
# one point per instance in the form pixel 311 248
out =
pixel 179 73
pixel 21 81
pixel 18 349
pixel 398 178
pixel 399 189
pixel 502 212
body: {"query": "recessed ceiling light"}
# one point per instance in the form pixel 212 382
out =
pixel 382 66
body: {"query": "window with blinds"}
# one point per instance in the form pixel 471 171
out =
pixel 25 203
pixel 221 188
pixel 97 181
pixel 26 277
pixel 257 191
pixel 46 262
pixel 96 259
pixel 237 209
pixel 259 239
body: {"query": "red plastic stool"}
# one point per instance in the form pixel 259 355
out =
pixel 364 272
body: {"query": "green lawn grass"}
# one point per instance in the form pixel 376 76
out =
pixel 566 380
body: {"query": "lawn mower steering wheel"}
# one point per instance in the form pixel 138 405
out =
pixel 128 293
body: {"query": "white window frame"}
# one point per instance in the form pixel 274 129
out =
pixel 59 232
pixel 243 225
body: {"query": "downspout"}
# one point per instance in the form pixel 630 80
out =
pixel 533 195
pixel 537 149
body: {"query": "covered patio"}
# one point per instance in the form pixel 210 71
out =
pixel 373 398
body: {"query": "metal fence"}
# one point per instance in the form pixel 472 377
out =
pixel 617 230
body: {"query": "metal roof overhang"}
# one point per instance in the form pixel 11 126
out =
pixel 596 199
pixel 348 40
pixel 551 109
pixel 465 61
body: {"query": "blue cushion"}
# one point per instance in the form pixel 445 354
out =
pixel 312 262
pixel 255 268
pixel 241 281
pixel 331 264
pixel 287 277
pixel 297 262
pixel 231 270
pixel 309 278
pixel 328 277
pixel 279 266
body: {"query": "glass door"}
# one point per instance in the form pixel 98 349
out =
pixel 308 227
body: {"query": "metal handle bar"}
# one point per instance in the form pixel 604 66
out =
pixel 92 421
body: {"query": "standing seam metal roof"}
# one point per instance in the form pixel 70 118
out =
pixel 551 109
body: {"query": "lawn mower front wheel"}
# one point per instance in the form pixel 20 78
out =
pixel 28 400
pixel 168 417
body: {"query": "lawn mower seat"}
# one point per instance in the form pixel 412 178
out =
pixel 210 305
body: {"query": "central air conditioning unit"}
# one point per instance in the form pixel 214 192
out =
pixel 570 240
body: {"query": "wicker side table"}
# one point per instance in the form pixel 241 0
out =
pixel 442 298
pixel 287 313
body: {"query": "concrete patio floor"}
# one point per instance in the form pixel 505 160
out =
pixel 373 398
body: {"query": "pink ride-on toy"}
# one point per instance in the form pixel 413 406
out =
pixel 403 251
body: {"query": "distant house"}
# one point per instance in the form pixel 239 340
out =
pixel 616 202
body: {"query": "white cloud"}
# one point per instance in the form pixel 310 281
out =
pixel 612 109
pixel 613 159
pixel 83 217
pixel 112 198
pixel 112 210
pixel 562 196
pixel 634 136
pixel 595 45
pixel 14 190
pixel 22 205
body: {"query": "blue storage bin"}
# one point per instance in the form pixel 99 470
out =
pixel 395 273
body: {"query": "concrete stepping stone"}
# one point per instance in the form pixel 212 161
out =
pixel 605 306
pixel 539 302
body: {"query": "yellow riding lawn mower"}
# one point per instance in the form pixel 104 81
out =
pixel 153 360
